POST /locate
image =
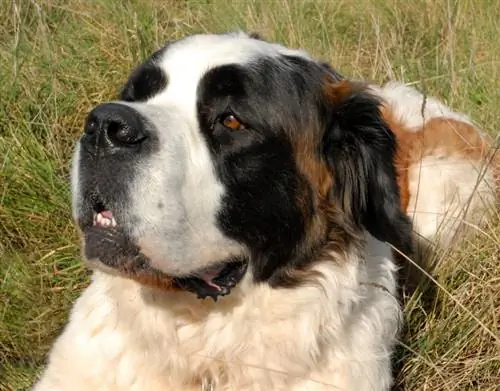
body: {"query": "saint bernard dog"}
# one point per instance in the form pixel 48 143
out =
pixel 244 208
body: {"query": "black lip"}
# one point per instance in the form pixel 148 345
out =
pixel 98 206
pixel 114 249
pixel 85 216
pixel 111 246
pixel 227 279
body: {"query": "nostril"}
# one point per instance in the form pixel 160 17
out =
pixel 92 126
pixel 122 133
pixel 119 132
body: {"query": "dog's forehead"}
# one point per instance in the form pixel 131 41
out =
pixel 212 50
pixel 186 61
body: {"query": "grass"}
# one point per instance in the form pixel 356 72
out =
pixel 59 58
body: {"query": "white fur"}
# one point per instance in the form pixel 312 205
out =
pixel 412 107
pixel 186 61
pixel 334 333
pixel 449 193
pixel 176 238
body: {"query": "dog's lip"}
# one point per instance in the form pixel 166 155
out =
pixel 107 243
pixel 208 275
pixel 214 281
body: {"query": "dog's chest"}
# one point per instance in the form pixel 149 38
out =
pixel 255 341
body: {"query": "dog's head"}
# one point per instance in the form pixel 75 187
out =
pixel 226 155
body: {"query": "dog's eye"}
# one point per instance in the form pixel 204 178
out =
pixel 231 122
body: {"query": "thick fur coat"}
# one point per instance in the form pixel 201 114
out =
pixel 238 170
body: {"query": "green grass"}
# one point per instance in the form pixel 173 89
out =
pixel 59 58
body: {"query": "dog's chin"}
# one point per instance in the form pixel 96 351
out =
pixel 111 250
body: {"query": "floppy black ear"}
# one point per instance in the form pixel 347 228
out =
pixel 360 148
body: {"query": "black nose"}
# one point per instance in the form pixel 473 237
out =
pixel 114 127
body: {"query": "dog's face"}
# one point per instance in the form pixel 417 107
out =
pixel 228 155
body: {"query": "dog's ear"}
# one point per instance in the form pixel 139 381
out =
pixel 359 149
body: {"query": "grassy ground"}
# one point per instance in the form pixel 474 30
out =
pixel 59 58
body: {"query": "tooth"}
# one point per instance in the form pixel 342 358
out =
pixel 106 222
pixel 113 222
pixel 99 218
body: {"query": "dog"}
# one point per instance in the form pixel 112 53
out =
pixel 244 208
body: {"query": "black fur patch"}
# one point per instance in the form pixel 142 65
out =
pixel 100 166
pixel 146 80
pixel 360 148
pixel 257 164
pixel 277 100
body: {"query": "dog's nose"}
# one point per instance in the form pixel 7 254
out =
pixel 114 127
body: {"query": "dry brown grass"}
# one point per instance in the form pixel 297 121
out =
pixel 59 58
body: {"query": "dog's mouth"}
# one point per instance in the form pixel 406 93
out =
pixel 108 243
pixel 215 281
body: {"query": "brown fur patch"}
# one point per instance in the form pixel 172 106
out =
pixel 402 158
pixel 306 146
pixel 439 137
pixel 448 137
pixel 336 91
pixel 311 166
pixel 332 240
pixel 329 235
pixel 445 136
pixel 317 174
pixel 136 271
pixel 313 196
pixel 145 275
pixel 162 283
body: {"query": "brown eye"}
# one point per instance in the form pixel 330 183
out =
pixel 231 122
